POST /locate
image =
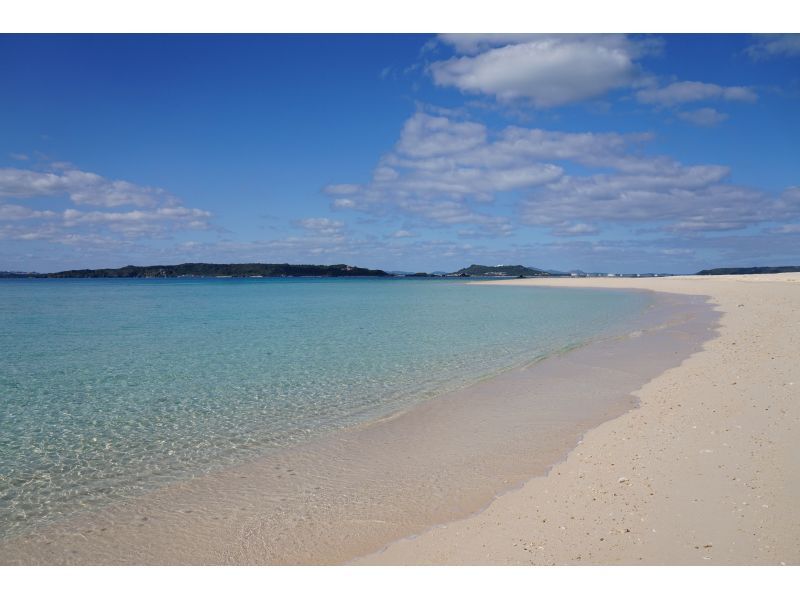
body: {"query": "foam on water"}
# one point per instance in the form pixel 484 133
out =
pixel 109 388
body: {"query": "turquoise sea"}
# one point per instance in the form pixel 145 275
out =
pixel 109 388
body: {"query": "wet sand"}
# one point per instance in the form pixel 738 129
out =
pixel 705 471
pixel 355 491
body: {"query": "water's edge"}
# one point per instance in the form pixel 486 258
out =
pixel 712 317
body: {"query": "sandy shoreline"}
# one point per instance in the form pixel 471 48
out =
pixel 351 493
pixel 706 471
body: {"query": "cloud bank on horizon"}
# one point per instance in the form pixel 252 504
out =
pixel 591 151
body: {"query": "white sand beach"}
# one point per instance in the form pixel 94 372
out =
pixel 705 471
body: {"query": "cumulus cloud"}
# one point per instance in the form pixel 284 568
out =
pixel 427 136
pixel 344 204
pixel 703 117
pixel 681 200
pixel 156 213
pixel 442 172
pixel 15 212
pixel 449 212
pixel 792 194
pixel 774 45
pixel 683 92
pixel 547 70
pixel 79 186
pixel 434 170
pixel 442 169
pixel 139 222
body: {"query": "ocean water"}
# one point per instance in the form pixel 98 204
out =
pixel 109 388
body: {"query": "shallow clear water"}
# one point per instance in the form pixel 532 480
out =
pixel 111 387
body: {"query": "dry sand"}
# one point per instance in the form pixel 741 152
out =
pixel 705 471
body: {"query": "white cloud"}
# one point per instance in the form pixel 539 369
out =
pixel 703 117
pixel 792 195
pixel 436 168
pixel 55 234
pixel 344 204
pixel 552 70
pixel 81 187
pixel 441 168
pixel 548 70
pixel 139 222
pixel 158 213
pixel 774 45
pixel 402 234
pixel 464 165
pixel 448 212
pixel 448 182
pixel 15 212
pixel 683 200
pixel 426 136
pixel 683 92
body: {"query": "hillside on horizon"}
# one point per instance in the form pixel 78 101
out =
pixel 208 270
pixel 509 270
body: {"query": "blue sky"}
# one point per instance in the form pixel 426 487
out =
pixel 416 152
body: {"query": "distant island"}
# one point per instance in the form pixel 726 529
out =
pixel 201 270
pixel 257 270
pixel 753 270
pixel 478 270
